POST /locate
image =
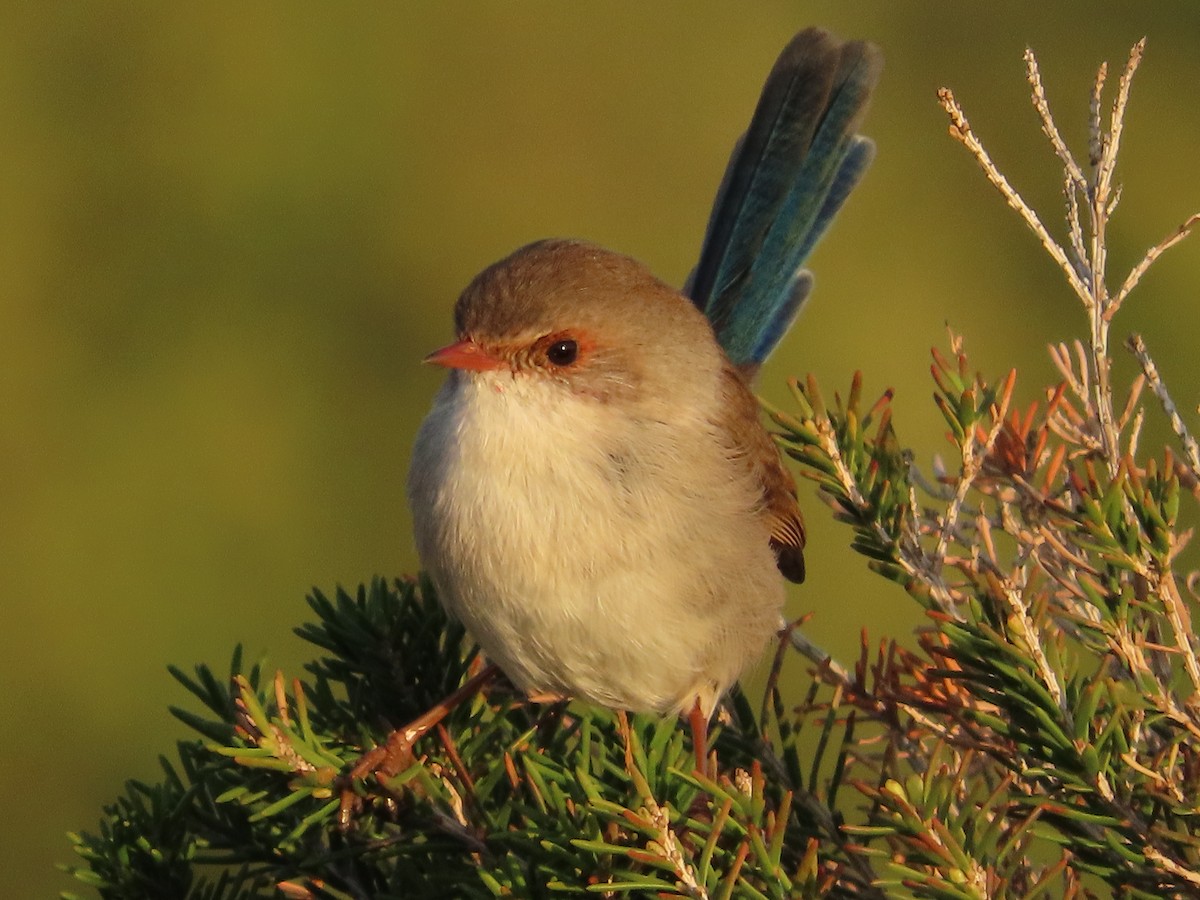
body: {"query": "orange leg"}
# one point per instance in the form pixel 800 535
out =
pixel 395 755
pixel 699 724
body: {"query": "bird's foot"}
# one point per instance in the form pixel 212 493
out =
pixel 395 754
pixel 383 761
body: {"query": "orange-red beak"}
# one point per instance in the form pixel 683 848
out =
pixel 465 354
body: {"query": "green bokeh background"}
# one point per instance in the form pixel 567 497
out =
pixel 227 237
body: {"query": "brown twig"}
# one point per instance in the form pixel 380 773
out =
pixel 1137 346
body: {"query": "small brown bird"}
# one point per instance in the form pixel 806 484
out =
pixel 593 493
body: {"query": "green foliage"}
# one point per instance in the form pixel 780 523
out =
pixel 1053 711
pixel 507 799
pixel 1043 719
pixel 1043 739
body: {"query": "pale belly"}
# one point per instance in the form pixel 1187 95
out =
pixel 610 562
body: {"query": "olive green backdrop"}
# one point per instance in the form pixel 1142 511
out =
pixel 227 237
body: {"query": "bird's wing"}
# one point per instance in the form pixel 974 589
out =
pixel 754 447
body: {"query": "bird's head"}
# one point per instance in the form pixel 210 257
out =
pixel 573 314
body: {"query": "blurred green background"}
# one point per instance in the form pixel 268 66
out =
pixel 229 235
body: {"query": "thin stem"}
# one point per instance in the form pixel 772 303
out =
pixel 911 556
pixel 1075 174
pixel 1137 346
pixel 960 129
pixel 1102 202
pixel 818 656
pixel 974 452
pixel 1102 365
pixel 1181 624
pixel 1135 275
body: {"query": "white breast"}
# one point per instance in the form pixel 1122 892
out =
pixel 594 554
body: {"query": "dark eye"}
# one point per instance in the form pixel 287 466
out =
pixel 562 353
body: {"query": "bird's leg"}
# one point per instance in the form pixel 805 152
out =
pixel 395 755
pixel 699 724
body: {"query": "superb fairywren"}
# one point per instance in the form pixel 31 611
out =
pixel 593 493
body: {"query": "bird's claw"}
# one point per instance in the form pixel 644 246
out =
pixel 384 761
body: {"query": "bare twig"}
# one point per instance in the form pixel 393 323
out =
pixel 1031 634
pixel 911 556
pixel 1096 136
pixel 1103 201
pixel 1075 175
pixel 960 129
pixel 1061 357
pixel 819 657
pixel 1181 624
pixel 1137 346
pixel 1074 228
pixel 1135 275
pixel 1167 864
pixel 1086 264
pixel 1108 160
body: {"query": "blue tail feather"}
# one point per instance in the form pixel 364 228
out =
pixel 805 215
pixel 855 164
pixel 762 166
pixel 783 317
pixel 786 180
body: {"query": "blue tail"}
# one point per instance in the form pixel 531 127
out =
pixel 786 180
